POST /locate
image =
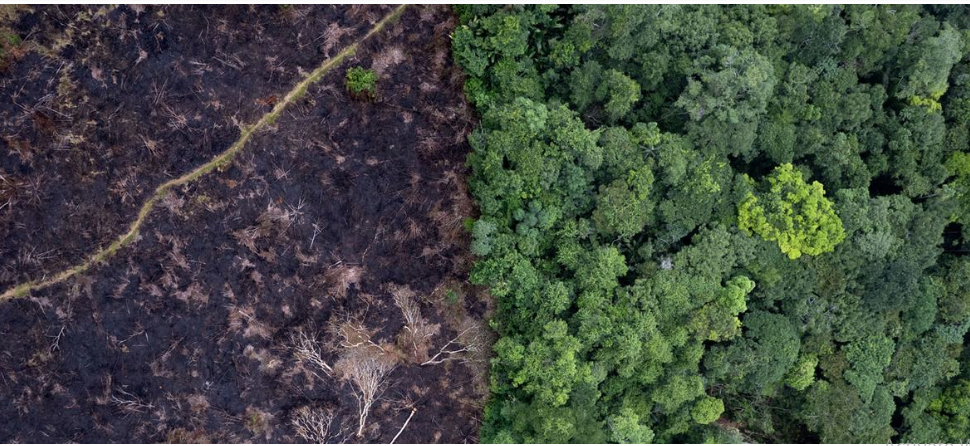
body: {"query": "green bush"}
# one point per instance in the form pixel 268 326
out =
pixel 362 83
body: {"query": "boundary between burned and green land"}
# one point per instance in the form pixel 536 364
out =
pixel 221 160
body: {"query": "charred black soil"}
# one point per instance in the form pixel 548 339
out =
pixel 339 227
pixel 114 102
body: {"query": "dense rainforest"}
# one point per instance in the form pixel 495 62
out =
pixel 705 223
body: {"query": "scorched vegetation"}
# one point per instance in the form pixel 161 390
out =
pixel 207 238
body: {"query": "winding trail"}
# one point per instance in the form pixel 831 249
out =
pixel 218 161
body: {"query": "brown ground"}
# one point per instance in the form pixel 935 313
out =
pixel 333 224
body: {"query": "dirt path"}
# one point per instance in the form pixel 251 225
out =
pixel 221 160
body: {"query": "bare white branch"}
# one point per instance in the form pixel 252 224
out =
pixel 313 425
pixel 306 349
pixel 467 341
pixel 417 331
pixel 367 370
pixel 413 410
pixel 129 403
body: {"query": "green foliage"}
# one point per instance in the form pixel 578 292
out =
pixel 794 214
pixel 626 428
pixel 929 64
pixel 717 320
pixel 648 289
pixel 623 207
pixel 482 232
pixel 952 411
pixel 802 374
pixel 958 165
pixel 867 359
pixel 547 367
pixel 361 82
pixel 619 92
pixel 707 410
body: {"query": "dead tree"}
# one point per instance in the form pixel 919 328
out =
pixel 313 425
pixel 354 334
pixel 367 369
pixel 306 349
pixel 468 341
pixel 130 403
pixel 417 331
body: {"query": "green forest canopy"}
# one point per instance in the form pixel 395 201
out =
pixel 707 223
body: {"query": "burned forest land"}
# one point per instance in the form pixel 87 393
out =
pixel 312 287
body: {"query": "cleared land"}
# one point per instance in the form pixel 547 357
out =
pixel 291 292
